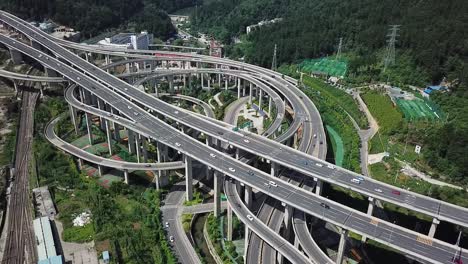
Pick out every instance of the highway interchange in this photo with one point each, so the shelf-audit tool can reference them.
(115, 93)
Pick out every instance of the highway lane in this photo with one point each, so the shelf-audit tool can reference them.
(262, 230)
(273, 194)
(276, 99)
(109, 163)
(27, 77)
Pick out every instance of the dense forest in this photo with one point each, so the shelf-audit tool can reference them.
(93, 17)
(433, 33)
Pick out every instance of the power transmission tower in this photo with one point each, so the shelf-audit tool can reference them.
(390, 52)
(274, 63)
(340, 46)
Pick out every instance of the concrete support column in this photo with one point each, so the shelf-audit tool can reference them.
(16, 56)
(248, 196)
(201, 76)
(126, 176)
(370, 210)
(274, 169)
(171, 84)
(218, 179)
(157, 178)
(238, 88)
(109, 136)
(100, 170)
(341, 246)
(260, 99)
(435, 223)
(145, 148)
(318, 186)
(250, 93)
(188, 179)
(101, 106)
(226, 84)
(131, 142)
(89, 128)
(243, 88)
(288, 213)
(116, 132)
(138, 148)
(269, 106)
(74, 118)
(229, 223)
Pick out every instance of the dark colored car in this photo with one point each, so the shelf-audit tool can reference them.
(396, 192)
(324, 205)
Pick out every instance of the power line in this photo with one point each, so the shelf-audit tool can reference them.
(389, 58)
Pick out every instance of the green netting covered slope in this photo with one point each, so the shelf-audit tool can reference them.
(327, 66)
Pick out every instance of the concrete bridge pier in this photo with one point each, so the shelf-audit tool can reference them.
(341, 246)
(101, 106)
(138, 147)
(74, 118)
(16, 56)
(243, 88)
(433, 229)
(238, 88)
(125, 176)
(171, 84)
(269, 106)
(188, 178)
(248, 196)
(370, 210)
(260, 99)
(144, 147)
(89, 128)
(131, 141)
(100, 170)
(318, 186)
(274, 169)
(229, 223)
(250, 93)
(218, 180)
(109, 136)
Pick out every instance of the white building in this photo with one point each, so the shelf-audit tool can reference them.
(129, 41)
(262, 23)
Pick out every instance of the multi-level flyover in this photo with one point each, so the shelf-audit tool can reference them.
(146, 116)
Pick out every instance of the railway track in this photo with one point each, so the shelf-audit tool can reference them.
(20, 244)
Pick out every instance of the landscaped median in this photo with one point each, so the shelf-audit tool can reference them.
(333, 105)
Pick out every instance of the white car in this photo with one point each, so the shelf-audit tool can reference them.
(212, 155)
(129, 107)
(232, 169)
(178, 144)
(135, 113)
(176, 112)
(171, 238)
(272, 183)
(378, 190)
(315, 135)
(109, 114)
(331, 166)
(126, 89)
(318, 165)
(250, 217)
(167, 224)
(356, 181)
(246, 141)
(116, 117)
